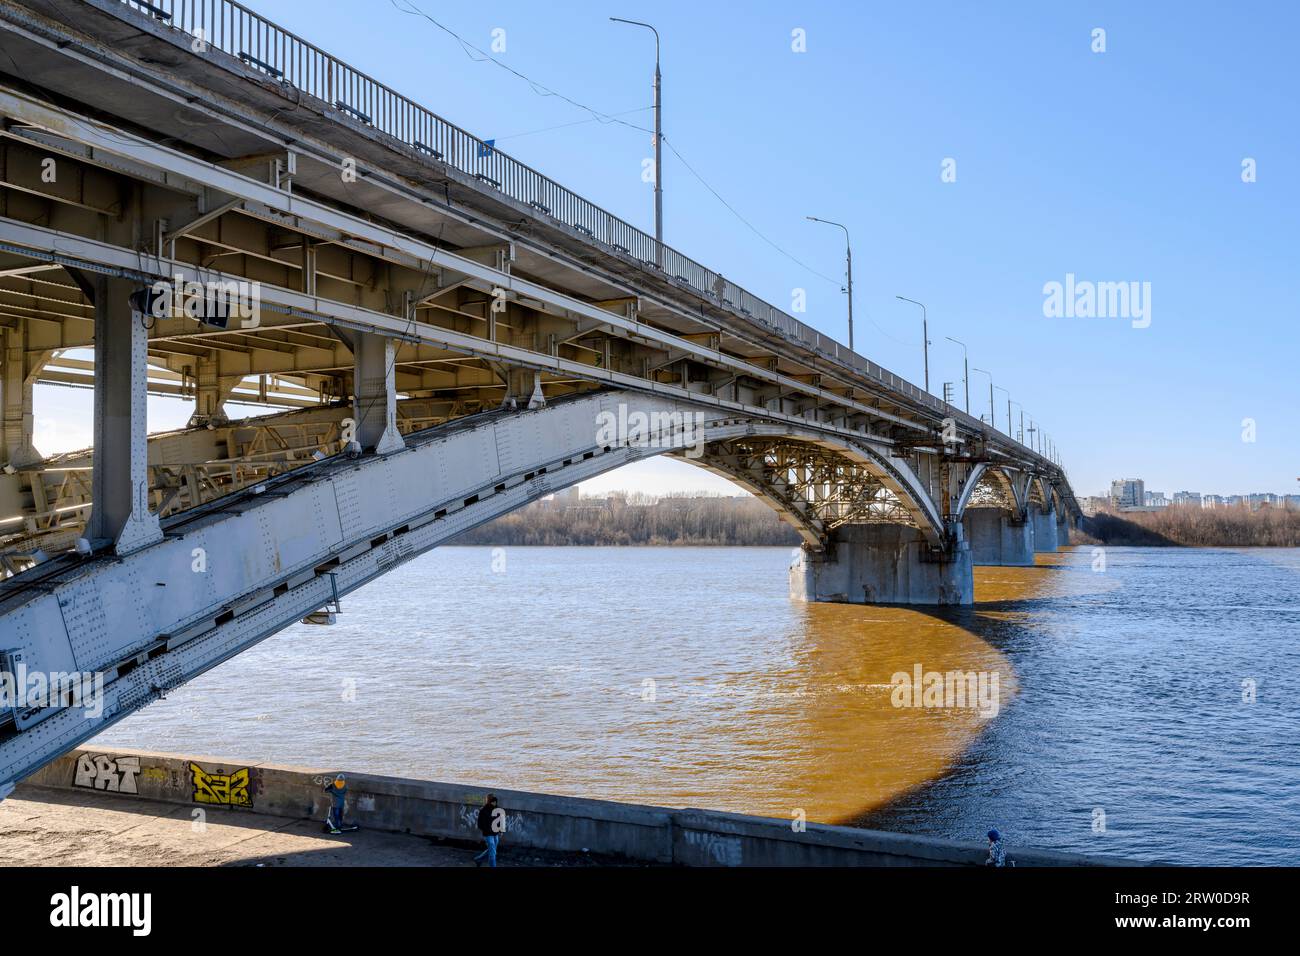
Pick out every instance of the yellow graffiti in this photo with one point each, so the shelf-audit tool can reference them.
(226, 790)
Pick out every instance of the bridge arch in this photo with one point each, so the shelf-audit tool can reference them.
(990, 485)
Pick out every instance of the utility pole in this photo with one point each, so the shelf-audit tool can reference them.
(848, 263)
(992, 416)
(965, 364)
(925, 340)
(659, 145)
(1001, 389)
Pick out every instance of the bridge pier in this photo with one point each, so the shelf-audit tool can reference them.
(1045, 524)
(883, 564)
(120, 470)
(997, 538)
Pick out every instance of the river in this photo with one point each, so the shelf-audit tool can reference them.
(1146, 708)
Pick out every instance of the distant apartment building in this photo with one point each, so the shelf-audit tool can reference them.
(1154, 499)
(1192, 498)
(1094, 504)
(1127, 493)
(1212, 501)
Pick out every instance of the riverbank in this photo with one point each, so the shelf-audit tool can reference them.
(540, 829)
(1194, 527)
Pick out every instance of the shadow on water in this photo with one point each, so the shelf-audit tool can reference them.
(1007, 616)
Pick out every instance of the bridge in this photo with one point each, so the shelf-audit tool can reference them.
(195, 202)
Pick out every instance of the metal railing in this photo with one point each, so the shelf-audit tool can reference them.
(234, 29)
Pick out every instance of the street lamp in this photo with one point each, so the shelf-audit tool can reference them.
(925, 337)
(848, 262)
(1020, 433)
(659, 141)
(1001, 389)
(965, 361)
(992, 417)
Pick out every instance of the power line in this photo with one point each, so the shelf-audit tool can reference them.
(547, 129)
(754, 229)
(606, 119)
(539, 88)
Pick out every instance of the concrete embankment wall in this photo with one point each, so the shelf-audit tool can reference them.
(566, 824)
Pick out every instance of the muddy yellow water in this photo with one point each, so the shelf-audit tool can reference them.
(678, 677)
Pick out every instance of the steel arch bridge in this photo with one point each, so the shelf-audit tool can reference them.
(447, 333)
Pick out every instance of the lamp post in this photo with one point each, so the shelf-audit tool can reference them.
(1020, 432)
(659, 147)
(925, 337)
(848, 264)
(992, 416)
(965, 375)
(1008, 394)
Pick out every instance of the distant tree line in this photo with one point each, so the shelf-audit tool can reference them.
(1191, 526)
(636, 519)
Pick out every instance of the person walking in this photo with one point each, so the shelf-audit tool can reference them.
(997, 853)
(488, 827)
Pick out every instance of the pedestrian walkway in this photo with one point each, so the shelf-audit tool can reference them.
(40, 826)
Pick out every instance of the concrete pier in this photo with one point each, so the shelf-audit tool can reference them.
(997, 539)
(1063, 531)
(883, 564)
(1044, 522)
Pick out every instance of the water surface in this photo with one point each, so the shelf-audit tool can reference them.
(687, 677)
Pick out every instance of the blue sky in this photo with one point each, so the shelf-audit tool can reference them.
(1117, 166)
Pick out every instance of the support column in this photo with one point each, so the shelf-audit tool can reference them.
(1044, 523)
(16, 419)
(120, 467)
(375, 393)
(209, 394)
(884, 564)
(998, 539)
(1063, 530)
(524, 389)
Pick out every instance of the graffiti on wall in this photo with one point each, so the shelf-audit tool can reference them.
(102, 772)
(222, 789)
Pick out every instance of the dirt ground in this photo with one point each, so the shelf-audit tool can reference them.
(46, 827)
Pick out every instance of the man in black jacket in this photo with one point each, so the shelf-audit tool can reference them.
(490, 823)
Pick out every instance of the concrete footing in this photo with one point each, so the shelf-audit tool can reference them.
(997, 539)
(1045, 525)
(883, 564)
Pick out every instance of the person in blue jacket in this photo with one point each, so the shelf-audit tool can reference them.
(338, 791)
